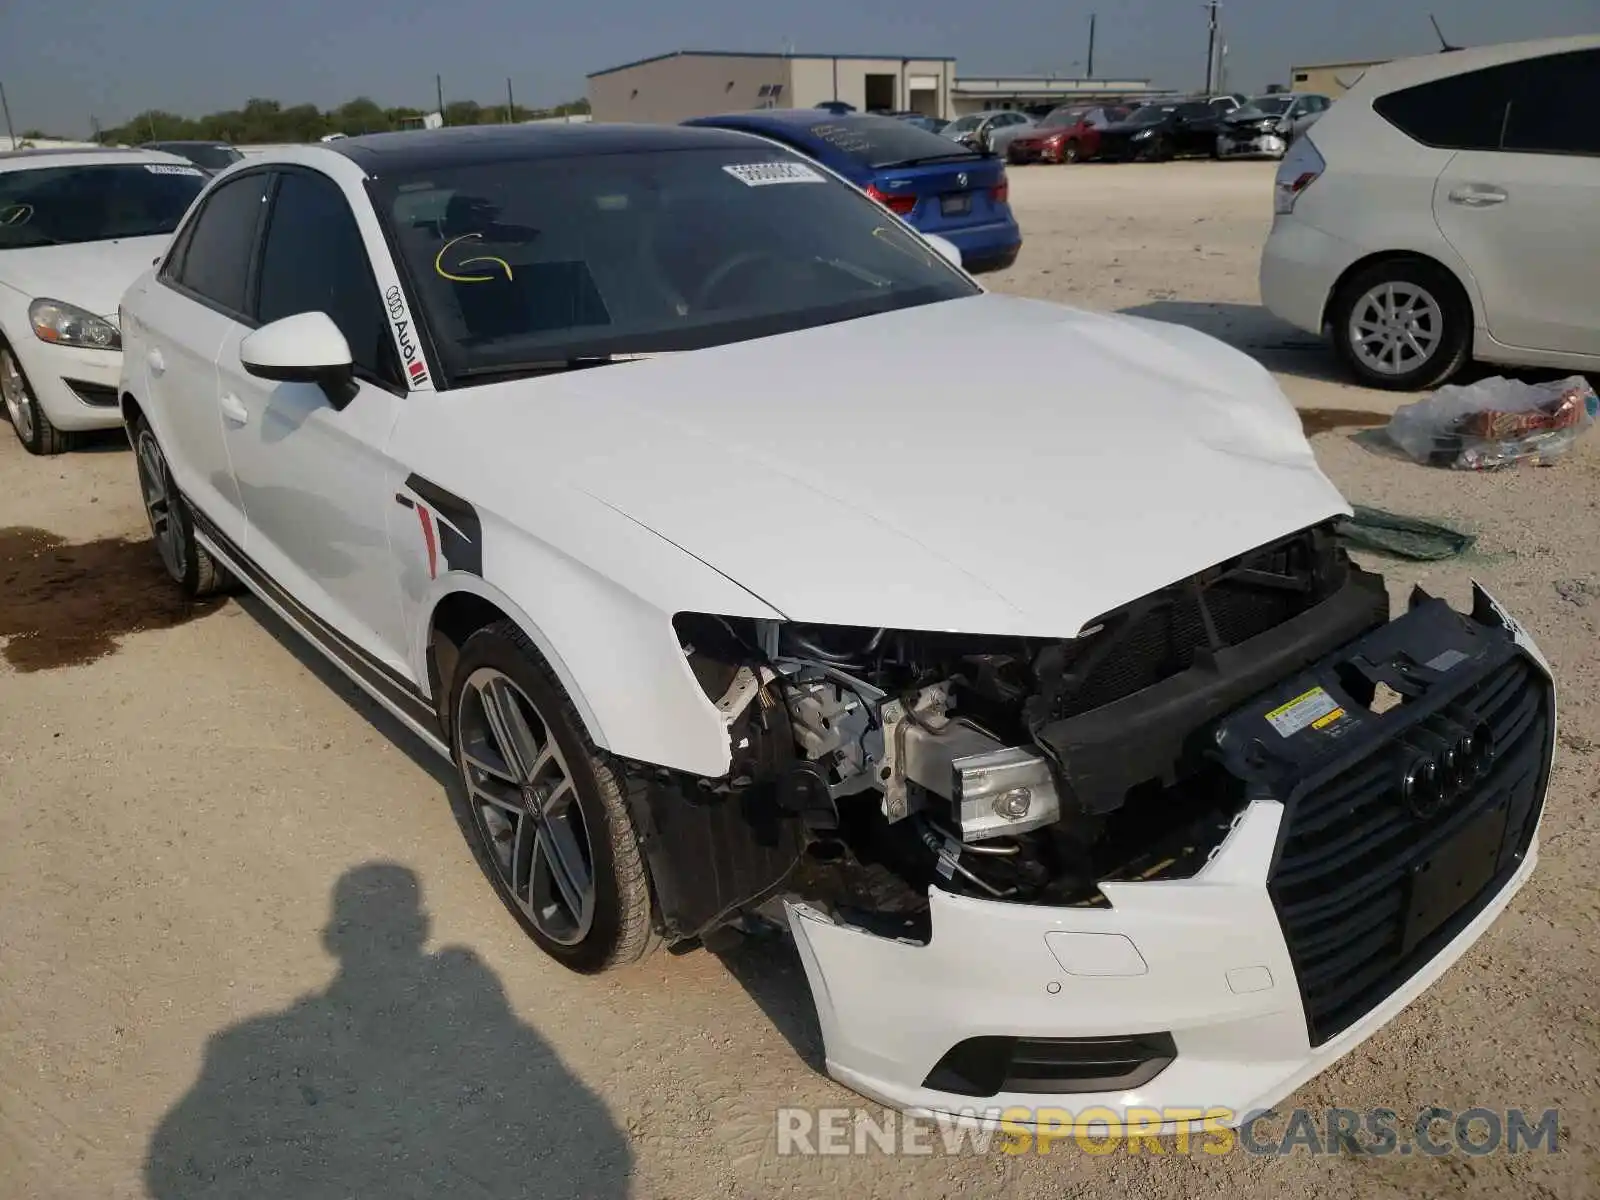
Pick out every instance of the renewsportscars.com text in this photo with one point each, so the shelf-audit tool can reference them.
(1433, 1131)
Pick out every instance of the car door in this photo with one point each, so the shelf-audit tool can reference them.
(314, 479)
(190, 306)
(1523, 206)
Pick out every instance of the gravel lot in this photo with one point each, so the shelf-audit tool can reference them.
(182, 808)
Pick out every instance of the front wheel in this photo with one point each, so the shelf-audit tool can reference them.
(1402, 325)
(548, 812)
(1070, 153)
(28, 419)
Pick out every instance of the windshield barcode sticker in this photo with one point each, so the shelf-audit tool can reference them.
(761, 174)
(1308, 708)
(171, 169)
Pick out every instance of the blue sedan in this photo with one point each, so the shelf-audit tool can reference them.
(937, 185)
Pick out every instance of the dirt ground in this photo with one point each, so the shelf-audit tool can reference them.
(219, 865)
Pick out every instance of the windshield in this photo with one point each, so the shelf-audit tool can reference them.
(884, 141)
(962, 124)
(1195, 111)
(1266, 106)
(58, 206)
(1150, 114)
(520, 265)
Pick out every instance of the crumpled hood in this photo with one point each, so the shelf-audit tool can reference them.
(92, 275)
(990, 465)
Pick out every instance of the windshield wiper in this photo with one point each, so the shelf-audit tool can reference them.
(548, 366)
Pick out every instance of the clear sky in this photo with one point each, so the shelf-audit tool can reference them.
(63, 62)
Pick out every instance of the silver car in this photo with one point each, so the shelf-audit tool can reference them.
(979, 130)
(1268, 125)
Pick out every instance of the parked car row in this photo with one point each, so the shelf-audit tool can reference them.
(1214, 126)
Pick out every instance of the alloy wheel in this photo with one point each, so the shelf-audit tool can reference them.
(525, 803)
(14, 390)
(160, 505)
(1396, 327)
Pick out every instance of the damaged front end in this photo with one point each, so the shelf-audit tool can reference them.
(1031, 769)
(1206, 845)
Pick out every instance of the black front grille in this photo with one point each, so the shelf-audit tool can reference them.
(1345, 880)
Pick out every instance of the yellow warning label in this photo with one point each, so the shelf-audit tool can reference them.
(1305, 709)
(1324, 722)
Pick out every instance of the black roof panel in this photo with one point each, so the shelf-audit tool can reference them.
(470, 145)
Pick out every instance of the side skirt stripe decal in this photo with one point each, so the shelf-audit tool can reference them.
(395, 689)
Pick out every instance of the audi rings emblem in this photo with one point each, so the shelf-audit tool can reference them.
(1444, 760)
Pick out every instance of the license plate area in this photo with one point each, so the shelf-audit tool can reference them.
(956, 204)
(1453, 874)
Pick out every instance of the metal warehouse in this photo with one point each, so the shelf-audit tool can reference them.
(693, 83)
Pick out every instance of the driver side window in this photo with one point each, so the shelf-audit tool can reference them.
(314, 260)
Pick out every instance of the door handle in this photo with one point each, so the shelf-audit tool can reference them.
(157, 363)
(233, 409)
(1478, 195)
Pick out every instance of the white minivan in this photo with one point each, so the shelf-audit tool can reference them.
(1448, 208)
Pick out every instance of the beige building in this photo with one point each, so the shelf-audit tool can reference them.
(1329, 79)
(695, 83)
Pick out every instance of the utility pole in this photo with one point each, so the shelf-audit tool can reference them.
(150, 122)
(1211, 41)
(1091, 45)
(511, 106)
(438, 93)
(10, 132)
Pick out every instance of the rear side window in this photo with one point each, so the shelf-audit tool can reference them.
(1463, 112)
(1550, 108)
(314, 260)
(1533, 106)
(216, 254)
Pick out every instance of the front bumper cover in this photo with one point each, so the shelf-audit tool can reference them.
(1204, 959)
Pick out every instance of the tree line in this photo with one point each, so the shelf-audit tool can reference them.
(269, 121)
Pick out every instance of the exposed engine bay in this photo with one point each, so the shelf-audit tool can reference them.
(1021, 769)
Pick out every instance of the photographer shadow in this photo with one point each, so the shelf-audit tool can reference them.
(409, 1076)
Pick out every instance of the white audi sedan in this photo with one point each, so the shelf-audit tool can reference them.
(76, 228)
(645, 472)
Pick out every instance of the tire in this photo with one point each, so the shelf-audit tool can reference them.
(188, 563)
(500, 671)
(1442, 308)
(1070, 152)
(27, 417)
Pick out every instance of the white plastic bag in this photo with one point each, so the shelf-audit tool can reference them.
(1495, 423)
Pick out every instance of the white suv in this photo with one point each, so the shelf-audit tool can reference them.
(1448, 208)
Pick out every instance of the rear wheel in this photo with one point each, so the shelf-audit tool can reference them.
(28, 421)
(171, 523)
(1402, 325)
(547, 810)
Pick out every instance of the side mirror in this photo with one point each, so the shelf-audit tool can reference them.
(305, 348)
(946, 248)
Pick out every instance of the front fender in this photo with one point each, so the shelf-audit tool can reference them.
(615, 653)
